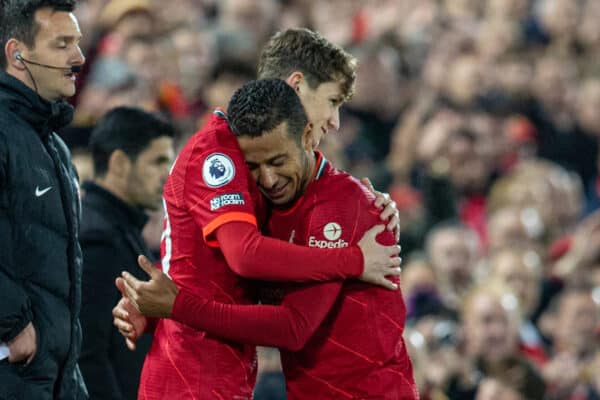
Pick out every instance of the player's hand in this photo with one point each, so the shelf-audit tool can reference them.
(23, 346)
(380, 261)
(153, 298)
(390, 211)
(128, 320)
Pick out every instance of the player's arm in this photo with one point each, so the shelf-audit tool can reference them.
(303, 308)
(288, 326)
(225, 214)
(252, 255)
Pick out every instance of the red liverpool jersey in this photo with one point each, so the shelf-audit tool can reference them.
(209, 186)
(358, 351)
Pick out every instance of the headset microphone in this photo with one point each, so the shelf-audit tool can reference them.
(72, 69)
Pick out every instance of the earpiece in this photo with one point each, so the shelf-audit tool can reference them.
(18, 55)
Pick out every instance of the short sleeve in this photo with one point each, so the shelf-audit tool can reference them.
(217, 189)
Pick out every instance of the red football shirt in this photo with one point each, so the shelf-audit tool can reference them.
(344, 339)
(358, 350)
(209, 185)
(210, 193)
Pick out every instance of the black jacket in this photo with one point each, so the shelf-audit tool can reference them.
(111, 240)
(40, 263)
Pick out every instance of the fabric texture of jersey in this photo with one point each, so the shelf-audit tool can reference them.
(209, 185)
(358, 351)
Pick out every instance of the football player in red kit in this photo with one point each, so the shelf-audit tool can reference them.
(340, 339)
(213, 208)
(212, 199)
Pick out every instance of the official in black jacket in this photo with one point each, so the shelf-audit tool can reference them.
(40, 260)
(132, 152)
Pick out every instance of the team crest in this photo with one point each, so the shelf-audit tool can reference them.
(218, 170)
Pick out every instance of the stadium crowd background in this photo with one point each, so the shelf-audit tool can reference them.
(480, 117)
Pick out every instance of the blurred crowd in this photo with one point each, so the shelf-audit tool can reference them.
(481, 118)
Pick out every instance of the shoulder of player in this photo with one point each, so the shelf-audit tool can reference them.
(338, 186)
(208, 142)
(215, 134)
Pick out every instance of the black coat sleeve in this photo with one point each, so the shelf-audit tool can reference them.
(15, 308)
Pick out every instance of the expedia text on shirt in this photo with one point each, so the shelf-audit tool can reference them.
(326, 244)
(230, 199)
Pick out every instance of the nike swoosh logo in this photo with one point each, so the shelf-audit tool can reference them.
(42, 192)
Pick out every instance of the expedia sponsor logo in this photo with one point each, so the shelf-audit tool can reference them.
(332, 231)
(326, 244)
(231, 199)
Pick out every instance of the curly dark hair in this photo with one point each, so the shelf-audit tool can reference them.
(262, 105)
(17, 20)
(310, 53)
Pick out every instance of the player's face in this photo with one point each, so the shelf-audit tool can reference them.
(278, 163)
(322, 106)
(56, 44)
(149, 173)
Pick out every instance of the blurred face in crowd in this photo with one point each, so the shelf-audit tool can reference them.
(379, 87)
(195, 58)
(136, 23)
(488, 143)
(521, 272)
(148, 173)
(180, 13)
(462, 8)
(493, 389)
(559, 17)
(496, 37)
(322, 105)
(254, 17)
(280, 165)
(566, 194)
(344, 10)
(513, 76)
(220, 90)
(56, 43)
(578, 319)
(464, 80)
(417, 275)
(507, 8)
(588, 104)
(468, 170)
(143, 59)
(488, 331)
(453, 253)
(588, 30)
(553, 81)
(506, 228)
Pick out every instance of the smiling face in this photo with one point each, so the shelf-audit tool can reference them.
(279, 164)
(322, 105)
(57, 44)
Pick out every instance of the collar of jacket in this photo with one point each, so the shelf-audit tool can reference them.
(44, 116)
(100, 197)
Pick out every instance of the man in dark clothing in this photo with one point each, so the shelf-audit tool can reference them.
(132, 152)
(40, 265)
